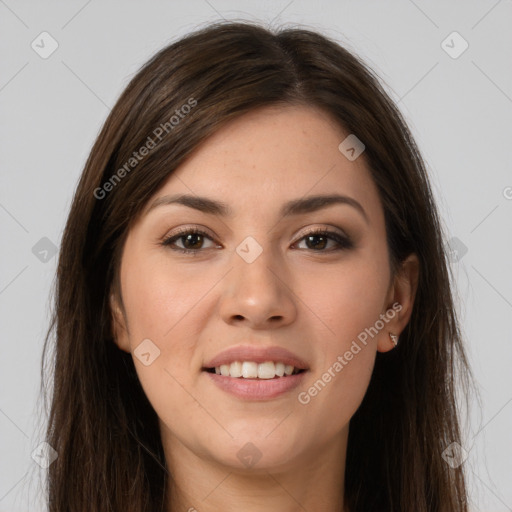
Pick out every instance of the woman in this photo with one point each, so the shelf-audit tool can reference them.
(253, 306)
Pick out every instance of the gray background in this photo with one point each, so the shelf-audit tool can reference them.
(459, 109)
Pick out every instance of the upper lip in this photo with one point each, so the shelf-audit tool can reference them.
(257, 355)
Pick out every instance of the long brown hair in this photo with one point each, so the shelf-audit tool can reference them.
(105, 431)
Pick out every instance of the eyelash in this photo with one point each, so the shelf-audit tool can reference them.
(344, 242)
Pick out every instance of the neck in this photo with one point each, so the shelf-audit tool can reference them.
(307, 481)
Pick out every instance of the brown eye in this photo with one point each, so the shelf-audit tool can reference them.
(318, 240)
(192, 241)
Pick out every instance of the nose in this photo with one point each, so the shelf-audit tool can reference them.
(258, 294)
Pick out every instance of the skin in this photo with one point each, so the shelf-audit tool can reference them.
(313, 302)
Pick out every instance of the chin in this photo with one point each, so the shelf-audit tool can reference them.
(255, 449)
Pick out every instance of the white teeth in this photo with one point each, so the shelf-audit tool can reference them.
(266, 370)
(249, 370)
(252, 370)
(235, 369)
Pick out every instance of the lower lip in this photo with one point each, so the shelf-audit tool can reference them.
(257, 389)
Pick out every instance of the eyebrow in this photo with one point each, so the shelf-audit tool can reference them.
(295, 207)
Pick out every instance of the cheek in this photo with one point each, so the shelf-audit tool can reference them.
(348, 299)
(161, 299)
(162, 306)
(334, 395)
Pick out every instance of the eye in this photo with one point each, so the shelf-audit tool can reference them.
(311, 239)
(192, 240)
(316, 240)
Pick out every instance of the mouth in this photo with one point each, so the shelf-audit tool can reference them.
(256, 373)
(251, 370)
(249, 380)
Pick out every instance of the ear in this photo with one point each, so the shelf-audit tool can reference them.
(400, 300)
(119, 325)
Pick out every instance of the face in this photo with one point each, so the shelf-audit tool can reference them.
(256, 277)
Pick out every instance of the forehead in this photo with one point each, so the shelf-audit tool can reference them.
(270, 156)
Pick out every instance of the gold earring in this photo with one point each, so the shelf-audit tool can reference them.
(394, 339)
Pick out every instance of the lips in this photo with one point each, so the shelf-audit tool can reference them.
(256, 355)
(260, 373)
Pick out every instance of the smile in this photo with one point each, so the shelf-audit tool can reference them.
(253, 370)
(256, 388)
